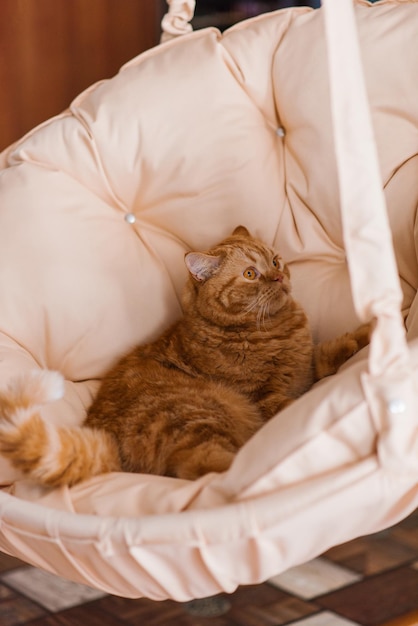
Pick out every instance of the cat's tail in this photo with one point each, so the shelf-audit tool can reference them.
(49, 454)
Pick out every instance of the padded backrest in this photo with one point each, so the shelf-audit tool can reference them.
(190, 139)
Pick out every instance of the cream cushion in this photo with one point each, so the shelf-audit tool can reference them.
(190, 139)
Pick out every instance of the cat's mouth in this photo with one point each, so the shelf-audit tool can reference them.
(281, 294)
(277, 296)
(284, 285)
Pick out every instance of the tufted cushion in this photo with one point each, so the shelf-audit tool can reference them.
(98, 205)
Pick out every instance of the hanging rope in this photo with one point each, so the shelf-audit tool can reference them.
(177, 21)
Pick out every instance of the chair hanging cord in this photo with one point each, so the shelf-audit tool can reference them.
(367, 235)
(176, 21)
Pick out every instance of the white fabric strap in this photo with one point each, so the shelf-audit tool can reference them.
(176, 21)
(367, 236)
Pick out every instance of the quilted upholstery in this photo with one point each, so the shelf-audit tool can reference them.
(188, 139)
(98, 205)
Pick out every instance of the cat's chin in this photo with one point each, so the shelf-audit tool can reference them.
(284, 290)
(282, 299)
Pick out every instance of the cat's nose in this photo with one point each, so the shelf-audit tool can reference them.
(278, 277)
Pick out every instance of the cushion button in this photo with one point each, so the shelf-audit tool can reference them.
(396, 406)
(130, 218)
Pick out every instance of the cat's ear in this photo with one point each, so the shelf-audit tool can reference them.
(200, 265)
(241, 230)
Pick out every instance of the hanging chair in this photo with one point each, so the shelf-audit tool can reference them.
(266, 125)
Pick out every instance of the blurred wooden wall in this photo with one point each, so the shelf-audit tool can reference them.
(50, 50)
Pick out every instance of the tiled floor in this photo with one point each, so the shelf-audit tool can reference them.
(371, 581)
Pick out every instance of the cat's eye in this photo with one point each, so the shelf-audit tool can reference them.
(250, 273)
(276, 262)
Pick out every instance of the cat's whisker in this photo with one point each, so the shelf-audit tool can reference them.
(261, 303)
(267, 312)
(252, 306)
(261, 315)
(269, 297)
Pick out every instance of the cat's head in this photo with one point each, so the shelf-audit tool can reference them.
(238, 281)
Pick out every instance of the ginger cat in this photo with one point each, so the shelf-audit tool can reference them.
(184, 404)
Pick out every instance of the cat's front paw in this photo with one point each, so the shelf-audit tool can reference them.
(331, 355)
(272, 405)
(353, 342)
(362, 335)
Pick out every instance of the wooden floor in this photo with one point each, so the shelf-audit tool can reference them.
(371, 581)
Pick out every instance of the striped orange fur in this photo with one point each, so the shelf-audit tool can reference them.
(183, 405)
